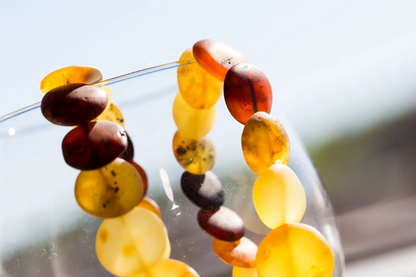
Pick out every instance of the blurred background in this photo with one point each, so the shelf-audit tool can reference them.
(342, 73)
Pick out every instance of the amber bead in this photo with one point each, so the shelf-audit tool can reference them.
(143, 175)
(244, 272)
(195, 156)
(216, 57)
(128, 155)
(94, 144)
(198, 88)
(294, 250)
(223, 224)
(247, 91)
(112, 113)
(204, 190)
(151, 205)
(264, 142)
(169, 268)
(241, 253)
(110, 191)
(70, 75)
(73, 104)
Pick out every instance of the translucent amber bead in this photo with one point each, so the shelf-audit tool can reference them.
(216, 57)
(246, 91)
(198, 88)
(244, 272)
(192, 123)
(241, 253)
(143, 175)
(264, 142)
(112, 113)
(151, 205)
(110, 191)
(170, 268)
(132, 243)
(279, 197)
(294, 250)
(128, 155)
(166, 254)
(70, 75)
(195, 156)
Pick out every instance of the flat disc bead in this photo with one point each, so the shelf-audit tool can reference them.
(151, 205)
(110, 191)
(223, 224)
(170, 268)
(94, 144)
(132, 243)
(73, 104)
(198, 88)
(279, 196)
(247, 91)
(244, 272)
(70, 75)
(264, 142)
(204, 190)
(216, 58)
(192, 123)
(241, 253)
(294, 250)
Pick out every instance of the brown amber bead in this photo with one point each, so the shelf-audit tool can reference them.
(216, 57)
(241, 253)
(143, 175)
(128, 155)
(205, 190)
(247, 91)
(73, 104)
(94, 144)
(223, 224)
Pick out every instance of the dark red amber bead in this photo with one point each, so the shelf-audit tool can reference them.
(143, 175)
(94, 144)
(204, 190)
(247, 91)
(128, 155)
(73, 104)
(223, 224)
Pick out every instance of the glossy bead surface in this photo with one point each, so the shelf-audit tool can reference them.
(241, 253)
(132, 243)
(279, 196)
(294, 250)
(192, 123)
(112, 113)
(70, 75)
(73, 104)
(110, 191)
(169, 268)
(128, 155)
(223, 224)
(216, 58)
(204, 190)
(94, 144)
(247, 91)
(195, 156)
(244, 272)
(264, 142)
(143, 175)
(198, 88)
(151, 205)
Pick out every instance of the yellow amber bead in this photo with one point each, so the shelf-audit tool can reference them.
(70, 75)
(169, 268)
(168, 249)
(244, 272)
(151, 205)
(192, 123)
(111, 113)
(279, 196)
(294, 250)
(198, 88)
(132, 243)
(240, 253)
(110, 191)
(264, 142)
(195, 156)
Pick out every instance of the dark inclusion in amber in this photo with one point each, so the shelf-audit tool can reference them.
(223, 224)
(94, 144)
(128, 155)
(204, 190)
(247, 91)
(73, 104)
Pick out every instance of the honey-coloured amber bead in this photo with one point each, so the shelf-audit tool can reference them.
(294, 250)
(131, 244)
(70, 75)
(198, 88)
(244, 272)
(111, 113)
(279, 196)
(247, 91)
(73, 104)
(241, 253)
(169, 268)
(216, 58)
(192, 123)
(195, 156)
(151, 205)
(110, 191)
(93, 144)
(264, 142)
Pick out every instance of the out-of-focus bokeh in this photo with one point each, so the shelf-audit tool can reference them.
(342, 72)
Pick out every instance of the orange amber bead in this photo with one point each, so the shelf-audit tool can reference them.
(216, 57)
(169, 268)
(151, 205)
(241, 253)
(244, 272)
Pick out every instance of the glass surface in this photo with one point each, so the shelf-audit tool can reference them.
(43, 232)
